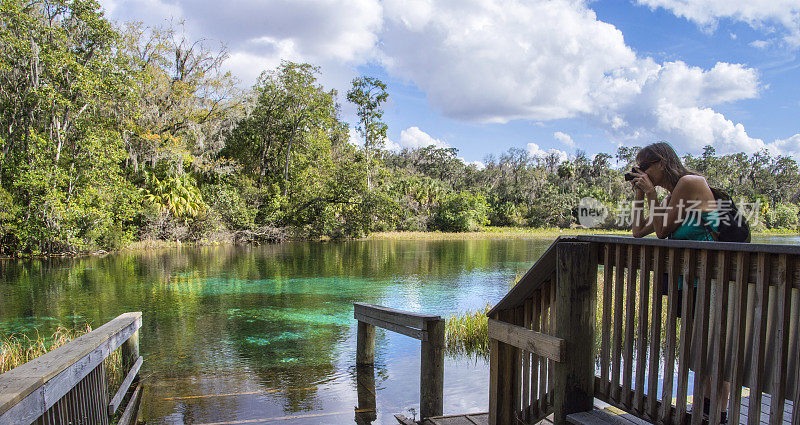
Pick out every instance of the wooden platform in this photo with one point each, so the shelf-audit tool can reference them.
(603, 414)
(609, 415)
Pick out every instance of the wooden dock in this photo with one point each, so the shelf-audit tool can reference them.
(739, 322)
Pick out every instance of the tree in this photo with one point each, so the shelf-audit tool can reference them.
(368, 94)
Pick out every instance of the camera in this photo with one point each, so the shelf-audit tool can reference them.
(629, 176)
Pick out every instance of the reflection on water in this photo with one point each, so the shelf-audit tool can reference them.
(245, 333)
(241, 333)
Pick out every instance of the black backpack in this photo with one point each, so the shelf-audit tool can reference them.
(733, 225)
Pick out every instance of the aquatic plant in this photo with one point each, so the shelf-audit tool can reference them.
(16, 350)
(467, 333)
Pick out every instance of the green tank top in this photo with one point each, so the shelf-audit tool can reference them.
(695, 229)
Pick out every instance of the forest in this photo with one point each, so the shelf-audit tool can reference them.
(112, 134)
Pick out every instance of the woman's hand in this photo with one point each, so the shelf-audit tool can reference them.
(641, 182)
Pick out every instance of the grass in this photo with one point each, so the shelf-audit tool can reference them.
(467, 334)
(494, 233)
(16, 350)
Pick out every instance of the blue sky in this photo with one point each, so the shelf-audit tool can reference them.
(484, 76)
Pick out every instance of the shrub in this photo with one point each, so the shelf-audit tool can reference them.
(461, 212)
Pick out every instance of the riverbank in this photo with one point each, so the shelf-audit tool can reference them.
(528, 233)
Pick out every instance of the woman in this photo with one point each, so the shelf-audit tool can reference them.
(688, 212)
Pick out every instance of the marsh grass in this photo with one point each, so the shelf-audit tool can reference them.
(494, 233)
(16, 350)
(467, 334)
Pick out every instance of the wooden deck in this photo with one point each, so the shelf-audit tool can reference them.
(603, 414)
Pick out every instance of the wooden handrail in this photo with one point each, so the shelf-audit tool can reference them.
(29, 390)
(537, 343)
(425, 327)
(734, 320)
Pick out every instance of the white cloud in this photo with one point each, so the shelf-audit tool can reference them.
(502, 60)
(790, 146)
(414, 138)
(493, 61)
(478, 164)
(535, 150)
(760, 14)
(564, 138)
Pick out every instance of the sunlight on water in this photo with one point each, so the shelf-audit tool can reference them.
(246, 333)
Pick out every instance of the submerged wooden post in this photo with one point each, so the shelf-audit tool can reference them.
(575, 303)
(365, 344)
(365, 412)
(432, 371)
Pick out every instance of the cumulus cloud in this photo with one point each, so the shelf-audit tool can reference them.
(414, 138)
(790, 146)
(761, 14)
(564, 138)
(535, 150)
(502, 60)
(673, 102)
(494, 61)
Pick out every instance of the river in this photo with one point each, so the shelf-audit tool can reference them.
(267, 333)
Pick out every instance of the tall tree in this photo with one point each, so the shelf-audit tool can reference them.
(368, 94)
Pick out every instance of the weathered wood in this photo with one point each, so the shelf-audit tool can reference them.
(365, 391)
(526, 365)
(687, 315)
(720, 314)
(783, 306)
(544, 363)
(738, 333)
(641, 346)
(605, 332)
(508, 377)
(28, 391)
(760, 303)
(619, 298)
(655, 332)
(701, 325)
(672, 322)
(132, 409)
(397, 317)
(405, 330)
(365, 344)
(536, 306)
(552, 326)
(494, 384)
(533, 279)
(752, 272)
(630, 308)
(575, 309)
(525, 339)
(123, 388)
(517, 401)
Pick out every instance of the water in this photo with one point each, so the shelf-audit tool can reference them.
(249, 333)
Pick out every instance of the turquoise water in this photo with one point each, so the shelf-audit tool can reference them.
(274, 321)
(265, 334)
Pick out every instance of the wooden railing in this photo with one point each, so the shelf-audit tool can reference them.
(68, 384)
(735, 322)
(427, 328)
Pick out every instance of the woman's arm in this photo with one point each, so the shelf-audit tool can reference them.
(667, 218)
(640, 226)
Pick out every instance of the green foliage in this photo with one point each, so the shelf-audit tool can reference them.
(783, 216)
(461, 212)
(111, 135)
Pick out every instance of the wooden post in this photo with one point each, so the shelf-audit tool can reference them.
(365, 380)
(576, 299)
(431, 394)
(365, 344)
(130, 351)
